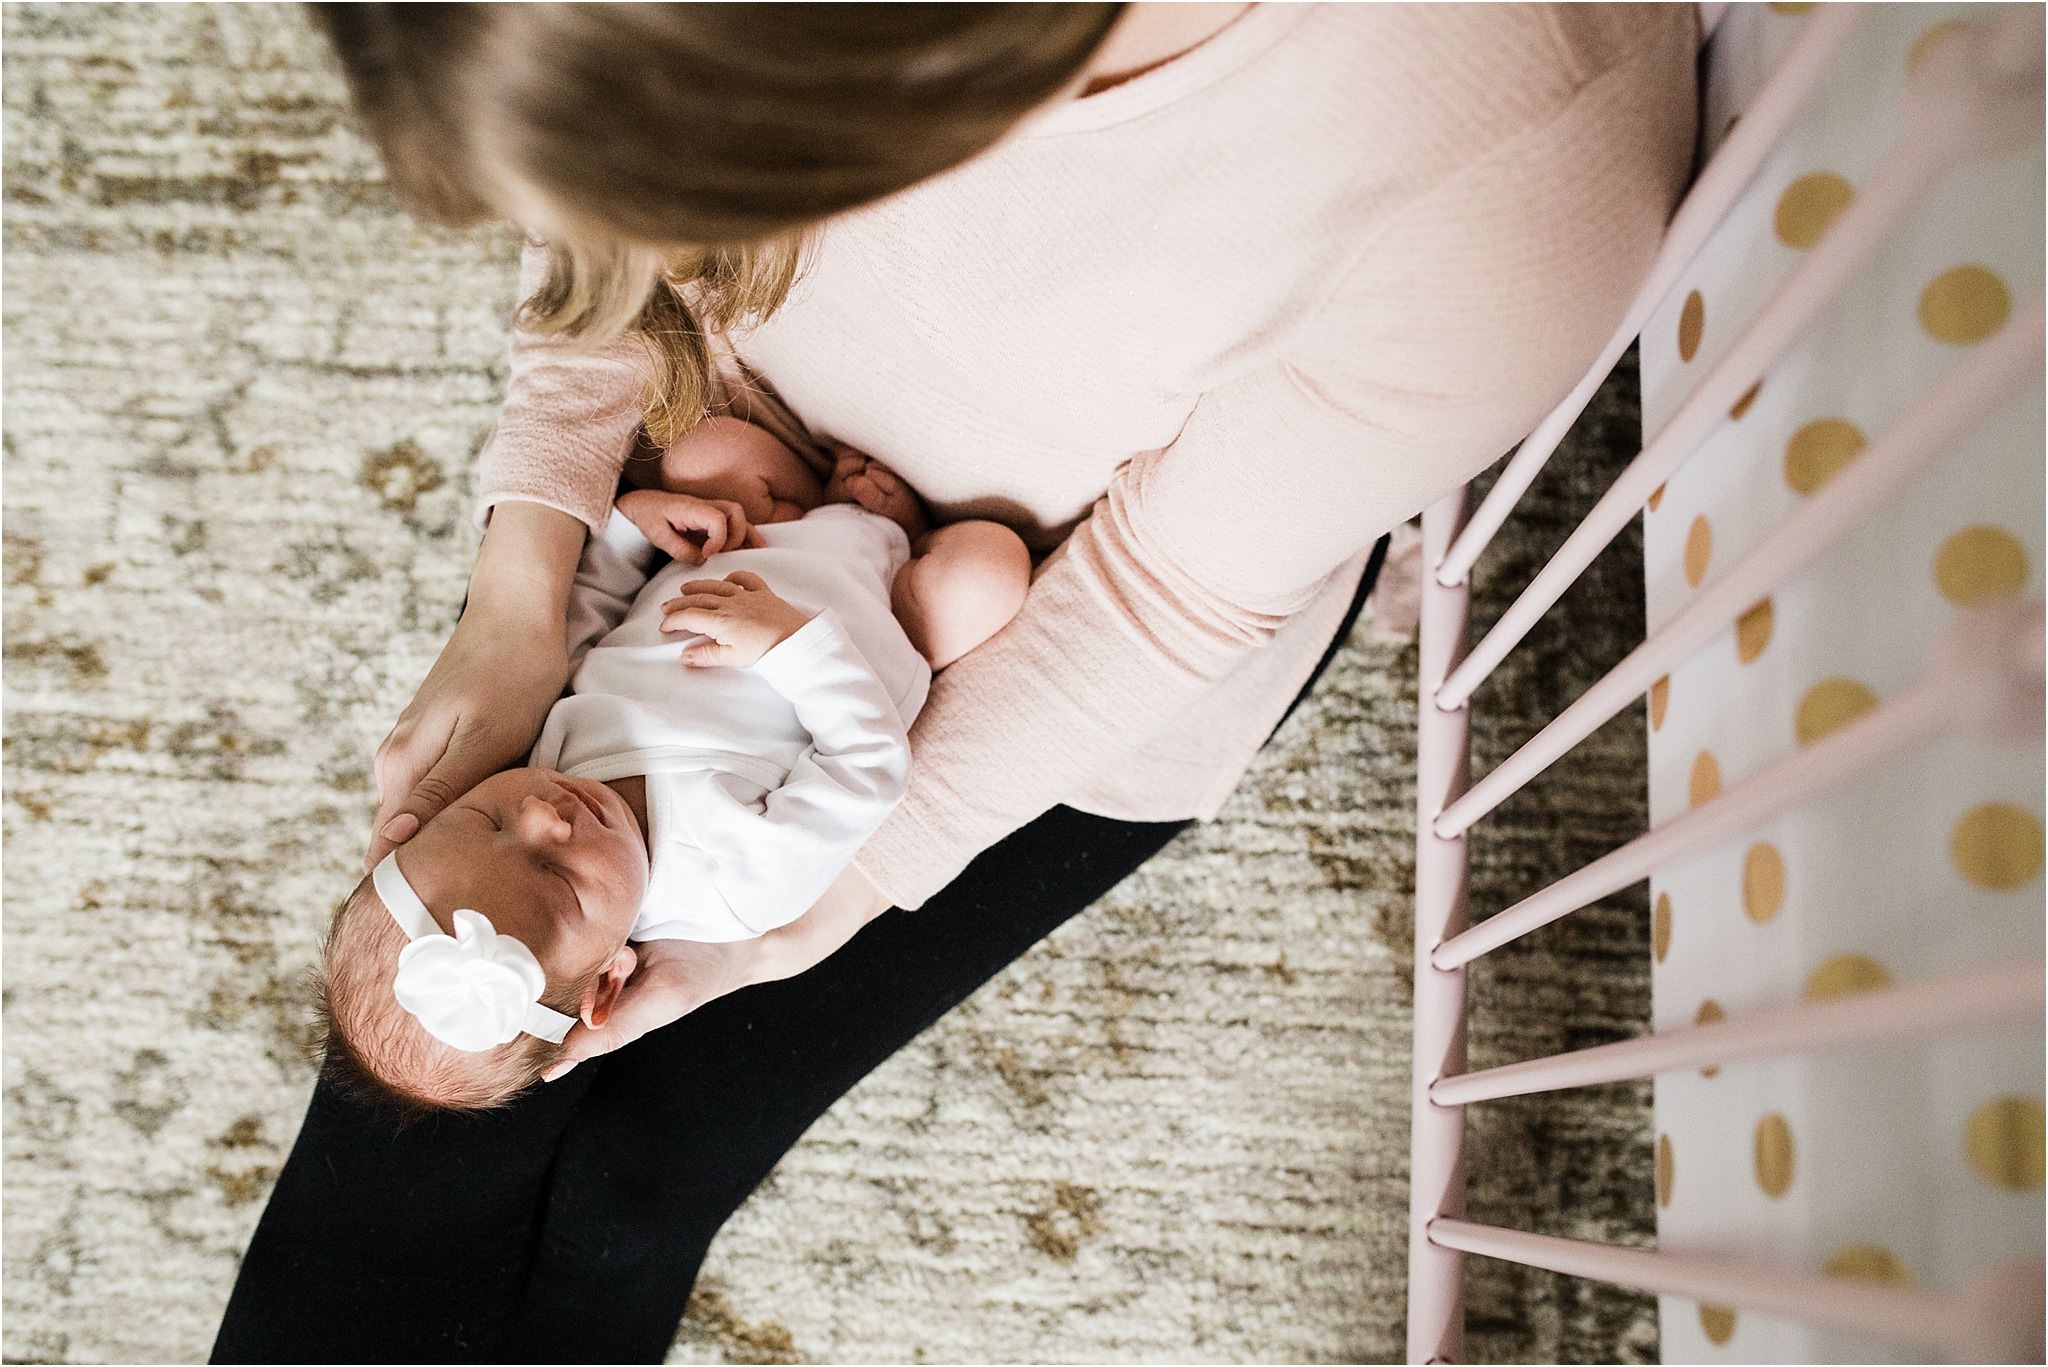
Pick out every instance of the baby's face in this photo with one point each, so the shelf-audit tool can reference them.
(558, 863)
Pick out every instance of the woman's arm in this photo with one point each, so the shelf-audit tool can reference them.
(483, 702)
(545, 478)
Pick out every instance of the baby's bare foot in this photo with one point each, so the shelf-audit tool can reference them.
(859, 478)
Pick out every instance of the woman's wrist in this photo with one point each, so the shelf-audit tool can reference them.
(526, 566)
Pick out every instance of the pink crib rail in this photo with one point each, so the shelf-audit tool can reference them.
(1978, 95)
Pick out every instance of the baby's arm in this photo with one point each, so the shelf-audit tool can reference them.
(771, 862)
(725, 458)
(617, 561)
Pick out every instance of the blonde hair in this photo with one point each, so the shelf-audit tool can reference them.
(372, 1051)
(673, 156)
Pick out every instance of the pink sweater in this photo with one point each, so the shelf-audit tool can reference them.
(1204, 336)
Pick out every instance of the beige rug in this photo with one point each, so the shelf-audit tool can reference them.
(242, 398)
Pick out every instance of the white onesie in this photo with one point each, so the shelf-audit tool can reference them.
(762, 783)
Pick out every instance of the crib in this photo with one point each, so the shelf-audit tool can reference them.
(1843, 675)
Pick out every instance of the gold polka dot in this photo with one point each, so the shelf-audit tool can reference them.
(1868, 1263)
(1932, 39)
(1717, 1322)
(1763, 882)
(1829, 706)
(1979, 563)
(1705, 784)
(1844, 976)
(1818, 451)
(1964, 304)
(1664, 1173)
(1742, 404)
(1809, 207)
(1660, 701)
(1791, 6)
(1997, 846)
(1773, 1154)
(1692, 321)
(1656, 497)
(1699, 549)
(1710, 1011)
(1753, 631)
(2004, 1142)
(1660, 927)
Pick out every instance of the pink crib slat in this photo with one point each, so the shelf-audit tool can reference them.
(1436, 1184)
(1984, 999)
(1975, 681)
(1930, 430)
(1734, 163)
(1959, 107)
(1996, 1320)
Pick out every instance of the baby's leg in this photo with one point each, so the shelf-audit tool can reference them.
(963, 584)
(725, 458)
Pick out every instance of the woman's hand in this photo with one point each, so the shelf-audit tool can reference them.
(675, 977)
(483, 702)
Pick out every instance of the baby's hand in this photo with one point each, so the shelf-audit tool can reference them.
(688, 528)
(741, 615)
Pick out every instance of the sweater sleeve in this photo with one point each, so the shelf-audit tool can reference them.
(570, 418)
(1452, 330)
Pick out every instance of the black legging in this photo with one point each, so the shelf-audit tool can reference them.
(569, 1226)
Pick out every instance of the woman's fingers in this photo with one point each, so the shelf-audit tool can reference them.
(717, 586)
(671, 979)
(459, 766)
(746, 579)
(406, 756)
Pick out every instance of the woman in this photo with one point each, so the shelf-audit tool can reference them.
(1201, 299)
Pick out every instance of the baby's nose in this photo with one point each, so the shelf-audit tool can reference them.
(548, 816)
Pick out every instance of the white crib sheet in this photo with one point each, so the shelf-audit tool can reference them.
(1921, 1164)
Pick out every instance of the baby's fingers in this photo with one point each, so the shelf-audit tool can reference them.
(671, 542)
(707, 654)
(703, 621)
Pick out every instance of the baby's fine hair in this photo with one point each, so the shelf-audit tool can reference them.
(373, 1051)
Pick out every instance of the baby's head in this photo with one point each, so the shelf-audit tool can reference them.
(558, 865)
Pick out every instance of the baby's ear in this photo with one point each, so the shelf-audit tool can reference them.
(603, 994)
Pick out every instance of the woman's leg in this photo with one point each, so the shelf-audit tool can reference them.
(680, 1126)
(387, 1246)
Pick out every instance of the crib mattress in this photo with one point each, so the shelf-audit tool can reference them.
(1921, 1164)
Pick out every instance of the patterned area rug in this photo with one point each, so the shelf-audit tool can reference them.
(243, 394)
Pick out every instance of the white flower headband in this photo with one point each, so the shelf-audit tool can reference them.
(473, 990)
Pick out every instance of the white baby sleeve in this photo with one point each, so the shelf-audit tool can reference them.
(771, 862)
(616, 564)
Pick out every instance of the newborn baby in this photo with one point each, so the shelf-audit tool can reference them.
(735, 726)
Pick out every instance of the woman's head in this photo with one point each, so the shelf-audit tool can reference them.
(556, 864)
(692, 143)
